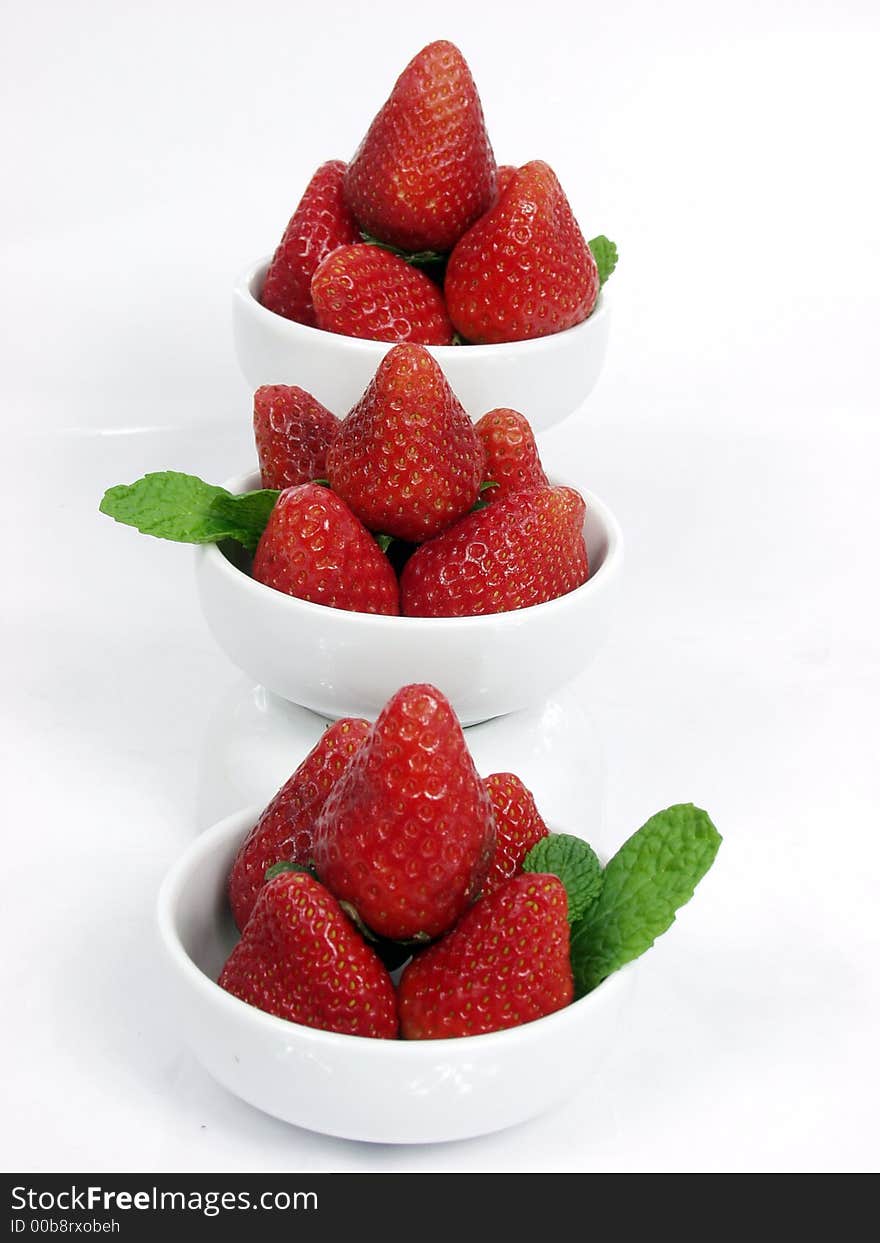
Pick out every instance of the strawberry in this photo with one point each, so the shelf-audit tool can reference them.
(364, 291)
(512, 460)
(292, 430)
(284, 830)
(407, 458)
(506, 174)
(320, 223)
(301, 959)
(524, 549)
(506, 962)
(407, 833)
(518, 827)
(425, 170)
(523, 270)
(314, 548)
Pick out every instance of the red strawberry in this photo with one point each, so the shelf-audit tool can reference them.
(284, 830)
(506, 174)
(407, 458)
(292, 430)
(314, 548)
(301, 958)
(425, 171)
(525, 549)
(524, 269)
(364, 291)
(320, 224)
(518, 827)
(407, 833)
(512, 459)
(505, 963)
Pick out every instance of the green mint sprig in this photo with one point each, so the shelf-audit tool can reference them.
(650, 877)
(173, 506)
(576, 865)
(605, 254)
(618, 913)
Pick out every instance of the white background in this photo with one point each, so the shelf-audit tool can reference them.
(149, 152)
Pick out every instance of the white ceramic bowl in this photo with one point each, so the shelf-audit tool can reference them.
(378, 1090)
(546, 379)
(349, 664)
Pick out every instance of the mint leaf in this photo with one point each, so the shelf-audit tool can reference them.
(649, 878)
(165, 504)
(173, 506)
(245, 515)
(576, 865)
(605, 254)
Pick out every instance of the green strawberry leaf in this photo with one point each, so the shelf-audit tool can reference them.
(576, 865)
(605, 254)
(287, 865)
(479, 503)
(384, 541)
(649, 878)
(418, 258)
(173, 506)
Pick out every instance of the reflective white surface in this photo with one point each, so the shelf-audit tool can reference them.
(734, 432)
(253, 740)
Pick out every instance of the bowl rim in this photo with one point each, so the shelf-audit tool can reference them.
(236, 825)
(245, 292)
(213, 557)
